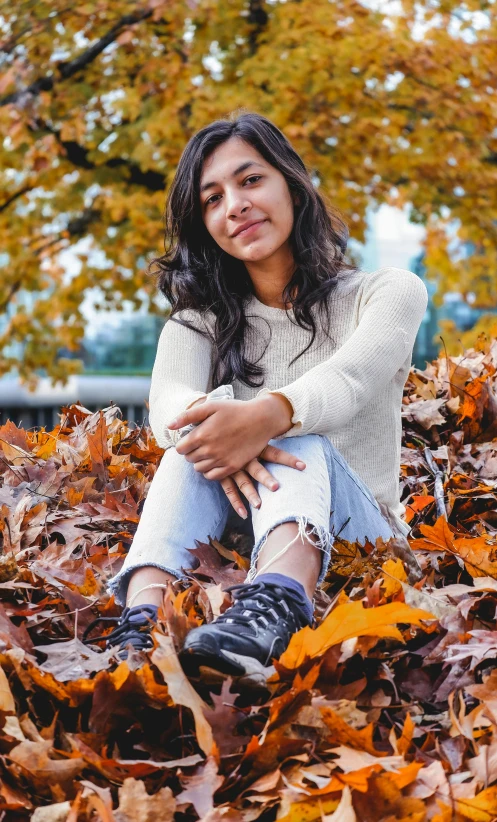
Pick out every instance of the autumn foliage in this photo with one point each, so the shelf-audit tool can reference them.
(386, 711)
(98, 100)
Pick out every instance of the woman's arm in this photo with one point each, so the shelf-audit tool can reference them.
(180, 374)
(328, 395)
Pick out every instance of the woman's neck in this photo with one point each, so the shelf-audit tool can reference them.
(269, 280)
(270, 296)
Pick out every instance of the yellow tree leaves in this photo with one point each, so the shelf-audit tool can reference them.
(98, 101)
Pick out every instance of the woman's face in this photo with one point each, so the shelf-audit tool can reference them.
(237, 186)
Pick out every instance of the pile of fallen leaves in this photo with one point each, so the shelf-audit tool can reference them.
(386, 711)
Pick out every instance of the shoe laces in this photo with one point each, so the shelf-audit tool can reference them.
(133, 626)
(264, 603)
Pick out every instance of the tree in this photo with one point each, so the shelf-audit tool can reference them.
(98, 100)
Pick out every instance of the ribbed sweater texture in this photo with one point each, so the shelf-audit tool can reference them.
(347, 386)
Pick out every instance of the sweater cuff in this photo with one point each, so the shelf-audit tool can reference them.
(297, 425)
(174, 434)
(222, 392)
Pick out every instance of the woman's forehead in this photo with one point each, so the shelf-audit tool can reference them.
(227, 158)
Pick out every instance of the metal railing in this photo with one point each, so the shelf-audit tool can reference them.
(43, 406)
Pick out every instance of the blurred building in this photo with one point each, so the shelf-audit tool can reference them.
(429, 338)
(118, 360)
(126, 348)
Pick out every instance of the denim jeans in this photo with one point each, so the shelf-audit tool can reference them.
(327, 499)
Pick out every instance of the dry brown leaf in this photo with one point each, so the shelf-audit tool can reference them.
(201, 787)
(136, 805)
(180, 689)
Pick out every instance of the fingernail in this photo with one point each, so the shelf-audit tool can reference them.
(257, 503)
(242, 512)
(172, 424)
(274, 486)
(300, 464)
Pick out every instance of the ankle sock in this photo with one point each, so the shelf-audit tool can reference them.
(294, 585)
(138, 610)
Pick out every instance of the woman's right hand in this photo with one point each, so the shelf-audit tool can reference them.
(241, 480)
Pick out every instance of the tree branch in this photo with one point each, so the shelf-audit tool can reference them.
(78, 156)
(67, 70)
(14, 197)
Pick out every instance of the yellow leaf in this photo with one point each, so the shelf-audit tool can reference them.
(483, 808)
(346, 622)
(394, 571)
(310, 809)
(7, 703)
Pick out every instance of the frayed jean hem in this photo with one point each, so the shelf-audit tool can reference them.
(118, 585)
(324, 543)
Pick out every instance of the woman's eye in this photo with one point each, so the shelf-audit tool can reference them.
(252, 177)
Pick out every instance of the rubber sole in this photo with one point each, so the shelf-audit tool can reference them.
(245, 669)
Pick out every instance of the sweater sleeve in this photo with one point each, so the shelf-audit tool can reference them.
(327, 396)
(180, 375)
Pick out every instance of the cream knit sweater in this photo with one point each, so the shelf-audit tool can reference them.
(348, 388)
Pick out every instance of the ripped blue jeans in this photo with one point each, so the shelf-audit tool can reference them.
(327, 500)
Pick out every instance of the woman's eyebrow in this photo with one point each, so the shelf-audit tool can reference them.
(236, 171)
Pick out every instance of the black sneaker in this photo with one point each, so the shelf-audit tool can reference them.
(242, 641)
(133, 626)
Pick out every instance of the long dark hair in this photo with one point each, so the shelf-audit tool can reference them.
(195, 273)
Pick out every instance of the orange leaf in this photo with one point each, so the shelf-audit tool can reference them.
(347, 622)
(479, 553)
(344, 734)
(405, 740)
(418, 503)
(438, 537)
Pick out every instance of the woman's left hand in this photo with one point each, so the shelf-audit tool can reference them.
(229, 433)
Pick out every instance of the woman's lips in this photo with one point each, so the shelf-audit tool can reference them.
(251, 229)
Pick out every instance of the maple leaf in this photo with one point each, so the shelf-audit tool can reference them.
(72, 660)
(349, 621)
(211, 565)
(478, 553)
(201, 787)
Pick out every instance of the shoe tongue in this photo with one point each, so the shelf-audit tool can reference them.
(139, 613)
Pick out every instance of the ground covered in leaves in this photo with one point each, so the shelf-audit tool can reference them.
(386, 711)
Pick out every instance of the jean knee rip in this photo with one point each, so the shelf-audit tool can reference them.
(305, 529)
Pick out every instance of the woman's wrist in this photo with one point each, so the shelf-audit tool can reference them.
(279, 412)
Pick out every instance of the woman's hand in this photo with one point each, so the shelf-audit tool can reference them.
(241, 480)
(230, 433)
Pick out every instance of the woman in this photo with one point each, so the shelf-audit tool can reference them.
(276, 352)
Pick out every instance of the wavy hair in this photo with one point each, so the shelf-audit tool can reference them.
(195, 273)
